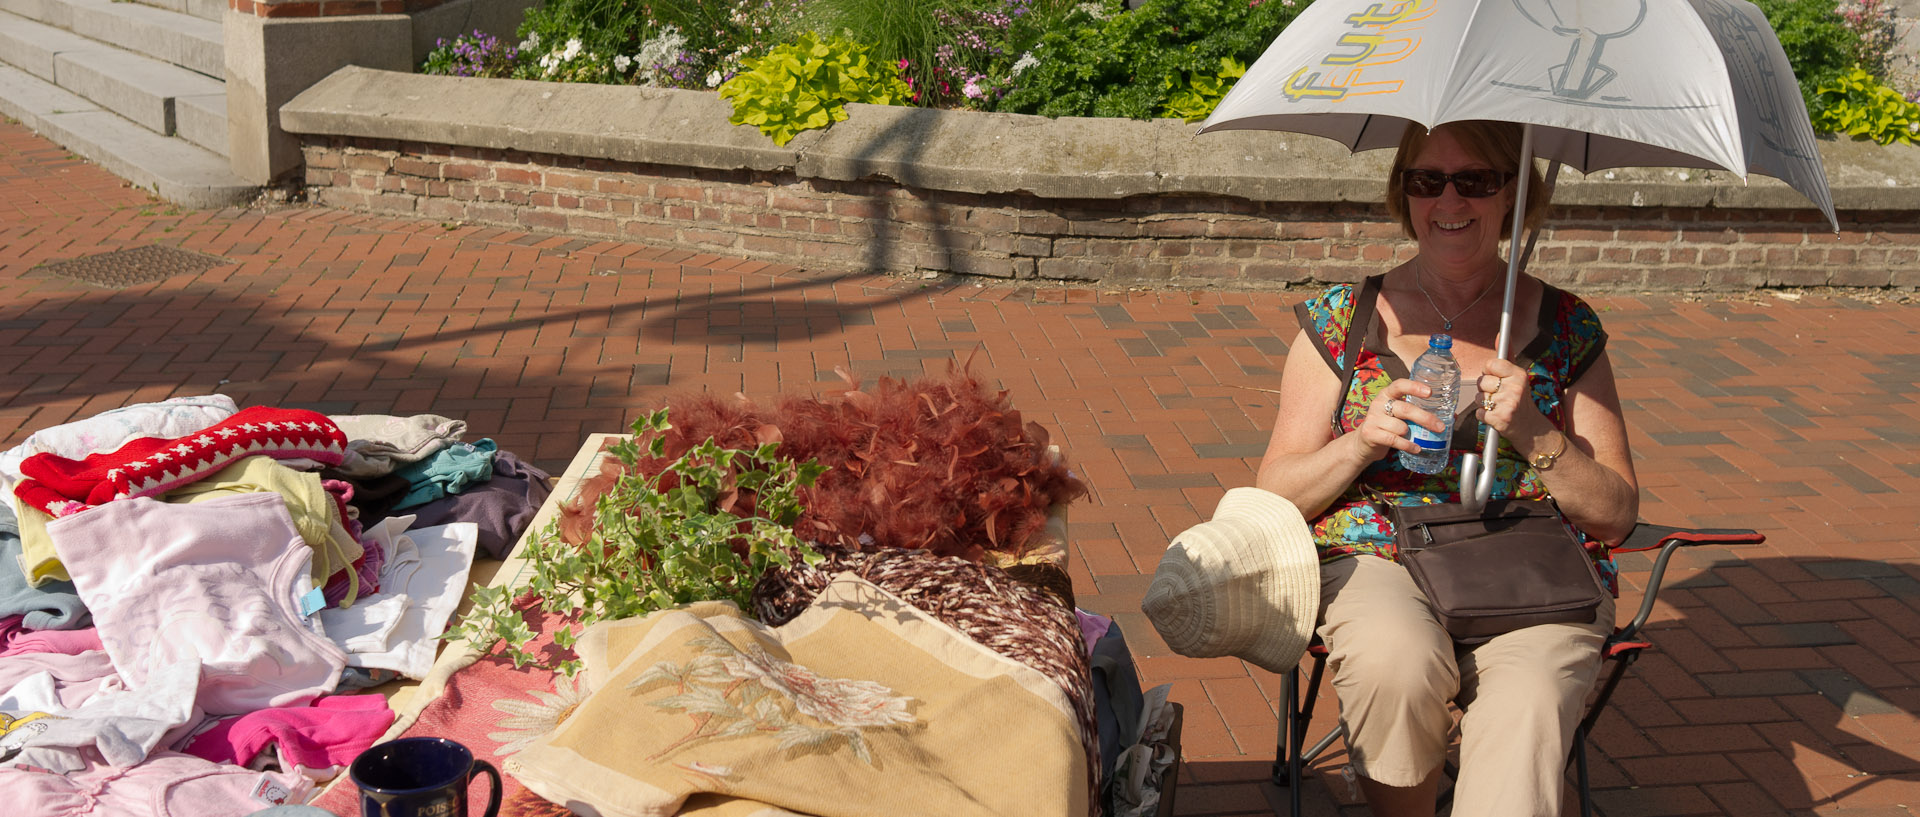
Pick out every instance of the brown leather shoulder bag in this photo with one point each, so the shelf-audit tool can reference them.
(1515, 564)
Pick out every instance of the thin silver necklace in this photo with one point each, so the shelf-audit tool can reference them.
(1418, 276)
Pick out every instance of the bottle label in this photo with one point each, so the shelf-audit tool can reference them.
(1427, 440)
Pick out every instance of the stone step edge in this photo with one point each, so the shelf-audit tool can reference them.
(172, 169)
(159, 95)
(153, 31)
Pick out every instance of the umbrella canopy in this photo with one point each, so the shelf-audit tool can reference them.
(1606, 83)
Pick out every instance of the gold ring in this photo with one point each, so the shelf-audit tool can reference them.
(1487, 402)
(1496, 386)
(1389, 408)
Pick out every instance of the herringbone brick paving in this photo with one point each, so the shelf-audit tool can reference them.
(1784, 678)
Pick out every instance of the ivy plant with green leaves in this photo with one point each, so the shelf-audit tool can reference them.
(655, 547)
(1861, 106)
(805, 84)
(1109, 61)
(1202, 93)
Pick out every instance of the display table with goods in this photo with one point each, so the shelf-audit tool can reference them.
(834, 607)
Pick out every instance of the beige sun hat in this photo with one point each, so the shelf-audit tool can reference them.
(1245, 584)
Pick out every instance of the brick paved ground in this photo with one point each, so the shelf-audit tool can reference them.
(1784, 678)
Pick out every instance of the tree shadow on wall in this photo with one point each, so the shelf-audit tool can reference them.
(1784, 673)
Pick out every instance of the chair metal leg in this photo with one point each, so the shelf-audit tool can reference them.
(1283, 745)
(1580, 771)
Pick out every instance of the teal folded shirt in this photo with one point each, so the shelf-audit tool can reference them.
(449, 471)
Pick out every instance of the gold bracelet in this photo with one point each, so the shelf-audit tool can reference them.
(1543, 462)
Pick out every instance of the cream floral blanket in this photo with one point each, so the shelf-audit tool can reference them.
(861, 706)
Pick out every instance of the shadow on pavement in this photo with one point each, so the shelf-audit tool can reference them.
(1782, 672)
(498, 368)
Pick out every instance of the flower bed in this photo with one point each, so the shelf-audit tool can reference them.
(790, 65)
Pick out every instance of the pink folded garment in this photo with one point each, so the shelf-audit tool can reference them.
(150, 466)
(330, 733)
(53, 642)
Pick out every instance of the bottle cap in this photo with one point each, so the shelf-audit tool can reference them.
(1440, 341)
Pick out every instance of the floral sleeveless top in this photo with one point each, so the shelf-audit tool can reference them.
(1569, 341)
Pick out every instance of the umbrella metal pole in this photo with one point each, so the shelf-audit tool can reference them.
(1476, 470)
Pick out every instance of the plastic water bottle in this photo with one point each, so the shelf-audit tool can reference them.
(1436, 368)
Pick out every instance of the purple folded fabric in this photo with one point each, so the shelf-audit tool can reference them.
(502, 507)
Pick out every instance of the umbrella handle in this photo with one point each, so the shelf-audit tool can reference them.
(1476, 471)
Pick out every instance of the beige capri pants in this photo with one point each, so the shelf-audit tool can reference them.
(1394, 669)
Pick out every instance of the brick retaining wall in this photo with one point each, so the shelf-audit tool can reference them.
(1185, 239)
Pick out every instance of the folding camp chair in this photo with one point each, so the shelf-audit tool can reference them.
(1620, 651)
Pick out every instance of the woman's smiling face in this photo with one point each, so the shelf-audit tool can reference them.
(1455, 231)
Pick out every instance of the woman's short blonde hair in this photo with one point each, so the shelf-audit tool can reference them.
(1496, 143)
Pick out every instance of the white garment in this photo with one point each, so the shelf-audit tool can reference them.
(122, 724)
(426, 572)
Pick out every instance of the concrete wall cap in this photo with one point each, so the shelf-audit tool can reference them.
(988, 153)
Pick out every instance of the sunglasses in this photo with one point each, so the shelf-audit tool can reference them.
(1472, 184)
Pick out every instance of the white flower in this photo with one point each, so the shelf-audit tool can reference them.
(622, 62)
(572, 50)
(661, 50)
(1027, 60)
(530, 721)
(713, 78)
(531, 42)
(1094, 10)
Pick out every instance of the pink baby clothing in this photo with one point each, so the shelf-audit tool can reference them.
(9, 628)
(328, 734)
(57, 642)
(168, 784)
(217, 582)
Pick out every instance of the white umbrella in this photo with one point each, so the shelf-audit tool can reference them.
(1598, 83)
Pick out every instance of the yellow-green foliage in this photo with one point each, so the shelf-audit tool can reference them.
(1204, 91)
(1863, 107)
(806, 84)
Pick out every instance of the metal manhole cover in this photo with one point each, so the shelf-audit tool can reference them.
(132, 267)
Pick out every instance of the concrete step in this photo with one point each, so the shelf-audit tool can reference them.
(173, 169)
(32, 47)
(203, 9)
(160, 96)
(139, 88)
(184, 40)
(202, 120)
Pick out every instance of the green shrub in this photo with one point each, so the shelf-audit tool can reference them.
(1203, 92)
(1818, 44)
(805, 84)
(1863, 107)
(1106, 61)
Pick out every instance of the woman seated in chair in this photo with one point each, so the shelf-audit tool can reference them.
(1394, 667)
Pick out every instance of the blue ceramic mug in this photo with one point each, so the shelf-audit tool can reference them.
(420, 777)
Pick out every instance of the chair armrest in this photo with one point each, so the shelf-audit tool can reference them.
(1669, 539)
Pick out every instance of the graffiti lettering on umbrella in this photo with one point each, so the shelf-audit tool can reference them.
(1382, 35)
